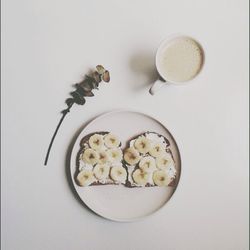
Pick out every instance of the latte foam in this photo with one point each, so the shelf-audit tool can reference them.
(181, 60)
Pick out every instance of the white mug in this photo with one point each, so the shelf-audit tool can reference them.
(163, 79)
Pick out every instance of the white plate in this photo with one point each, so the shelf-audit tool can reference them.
(120, 203)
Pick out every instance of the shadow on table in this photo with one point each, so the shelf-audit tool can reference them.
(143, 64)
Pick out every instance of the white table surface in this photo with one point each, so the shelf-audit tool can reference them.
(47, 45)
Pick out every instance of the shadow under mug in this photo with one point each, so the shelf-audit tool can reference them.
(162, 81)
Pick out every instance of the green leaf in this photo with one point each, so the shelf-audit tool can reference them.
(80, 90)
(78, 98)
(69, 101)
(83, 89)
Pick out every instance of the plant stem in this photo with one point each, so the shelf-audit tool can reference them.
(65, 112)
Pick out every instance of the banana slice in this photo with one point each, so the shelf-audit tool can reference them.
(103, 157)
(85, 178)
(131, 156)
(147, 164)
(111, 141)
(115, 155)
(161, 178)
(119, 174)
(96, 141)
(157, 150)
(140, 177)
(90, 156)
(164, 162)
(142, 144)
(101, 171)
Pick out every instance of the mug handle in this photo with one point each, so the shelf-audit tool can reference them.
(156, 86)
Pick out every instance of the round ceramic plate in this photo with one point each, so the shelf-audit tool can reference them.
(117, 202)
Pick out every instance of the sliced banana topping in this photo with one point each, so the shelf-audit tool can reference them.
(157, 150)
(147, 164)
(142, 144)
(111, 141)
(90, 156)
(85, 178)
(101, 171)
(119, 174)
(161, 178)
(164, 162)
(131, 156)
(96, 141)
(140, 177)
(146, 159)
(103, 157)
(115, 155)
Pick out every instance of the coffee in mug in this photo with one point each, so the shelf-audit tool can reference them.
(178, 60)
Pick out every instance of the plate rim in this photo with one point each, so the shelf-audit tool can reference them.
(100, 116)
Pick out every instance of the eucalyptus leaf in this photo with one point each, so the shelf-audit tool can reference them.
(69, 101)
(78, 98)
(106, 76)
(80, 90)
(97, 77)
(83, 89)
(95, 85)
(87, 85)
(100, 69)
(88, 94)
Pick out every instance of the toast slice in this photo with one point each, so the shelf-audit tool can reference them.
(99, 160)
(149, 161)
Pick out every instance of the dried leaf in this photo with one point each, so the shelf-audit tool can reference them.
(95, 85)
(82, 92)
(100, 69)
(88, 94)
(97, 77)
(86, 85)
(106, 76)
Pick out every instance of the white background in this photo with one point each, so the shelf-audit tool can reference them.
(47, 45)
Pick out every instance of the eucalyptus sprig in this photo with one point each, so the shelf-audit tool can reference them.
(83, 89)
